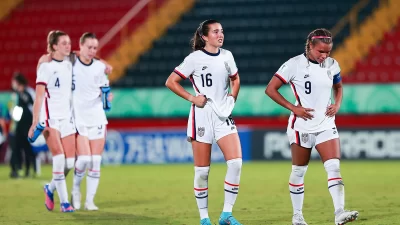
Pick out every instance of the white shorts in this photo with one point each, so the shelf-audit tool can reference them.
(92, 133)
(66, 127)
(309, 140)
(205, 126)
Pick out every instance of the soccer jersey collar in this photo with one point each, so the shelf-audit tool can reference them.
(211, 54)
(57, 60)
(313, 61)
(79, 58)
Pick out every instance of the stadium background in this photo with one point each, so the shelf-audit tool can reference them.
(145, 39)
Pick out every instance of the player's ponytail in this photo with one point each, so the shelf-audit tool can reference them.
(316, 36)
(52, 39)
(197, 42)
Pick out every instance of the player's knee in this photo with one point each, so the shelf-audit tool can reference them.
(332, 165)
(58, 162)
(299, 171)
(201, 175)
(235, 164)
(96, 162)
(69, 163)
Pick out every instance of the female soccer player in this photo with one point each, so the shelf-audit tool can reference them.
(312, 76)
(210, 69)
(90, 118)
(52, 108)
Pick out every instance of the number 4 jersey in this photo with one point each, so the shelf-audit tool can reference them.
(311, 84)
(209, 74)
(56, 76)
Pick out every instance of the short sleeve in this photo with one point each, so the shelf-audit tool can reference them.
(186, 68)
(43, 74)
(101, 80)
(231, 66)
(287, 71)
(334, 69)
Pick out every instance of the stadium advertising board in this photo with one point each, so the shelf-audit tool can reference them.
(158, 147)
(355, 144)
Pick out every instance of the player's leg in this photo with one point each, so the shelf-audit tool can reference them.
(53, 141)
(301, 152)
(228, 140)
(328, 146)
(68, 140)
(97, 141)
(82, 163)
(200, 135)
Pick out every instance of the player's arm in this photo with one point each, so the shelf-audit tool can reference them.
(3, 126)
(173, 83)
(235, 86)
(37, 104)
(273, 93)
(338, 96)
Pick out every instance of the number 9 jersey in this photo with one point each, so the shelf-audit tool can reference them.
(311, 83)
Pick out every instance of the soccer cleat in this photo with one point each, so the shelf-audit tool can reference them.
(345, 216)
(66, 208)
(76, 200)
(49, 198)
(91, 206)
(226, 218)
(205, 221)
(298, 219)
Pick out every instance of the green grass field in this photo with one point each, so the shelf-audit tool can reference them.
(163, 194)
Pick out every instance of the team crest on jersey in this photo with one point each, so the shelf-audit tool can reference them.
(304, 137)
(329, 74)
(227, 68)
(200, 131)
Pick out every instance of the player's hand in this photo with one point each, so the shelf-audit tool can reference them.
(110, 97)
(109, 69)
(30, 133)
(234, 97)
(304, 113)
(200, 101)
(332, 110)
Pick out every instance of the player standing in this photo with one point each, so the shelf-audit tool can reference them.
(210, 69)
(91, 122)
(312, 76)
(52, 109)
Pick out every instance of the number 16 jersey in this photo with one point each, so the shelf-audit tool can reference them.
(311, 84)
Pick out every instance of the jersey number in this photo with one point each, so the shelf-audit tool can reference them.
(57, 84)
(73, 83)
(307, 85)
(230, 120)
(208, 81)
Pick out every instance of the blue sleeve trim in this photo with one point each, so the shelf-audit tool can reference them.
(337, 78)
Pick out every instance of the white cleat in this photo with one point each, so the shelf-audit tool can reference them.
(345, 216)
(298, 219)
(91, 206)
(76, 200)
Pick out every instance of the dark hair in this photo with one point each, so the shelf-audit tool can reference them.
(52, 39)
(85, 36)
(20, 78)
(316, 36)
(197, 41)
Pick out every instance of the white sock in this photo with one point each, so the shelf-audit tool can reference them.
(69, 164)
(232, 180)
(81, 164)
(335, 183)
(93, 178)
(201, 189)
(296, 187)
(52, 186)
(59, 177)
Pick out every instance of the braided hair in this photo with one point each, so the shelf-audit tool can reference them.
(317, 35)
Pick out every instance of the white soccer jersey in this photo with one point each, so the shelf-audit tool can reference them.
(57, 77)
(311, 83)
(209, 74)
(87, 103)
